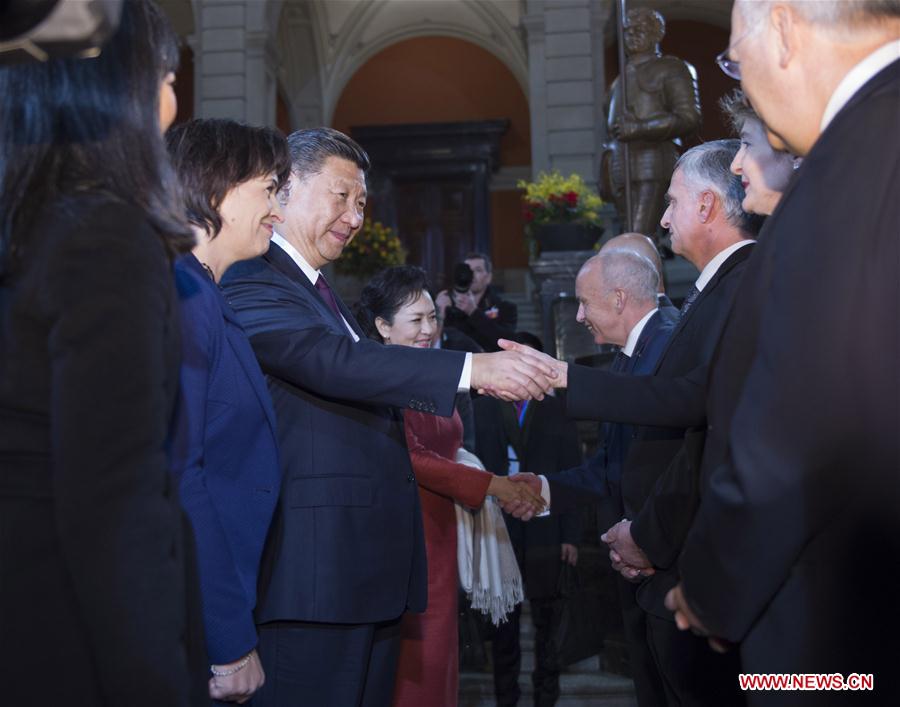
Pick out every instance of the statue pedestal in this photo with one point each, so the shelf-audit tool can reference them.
(554, 275)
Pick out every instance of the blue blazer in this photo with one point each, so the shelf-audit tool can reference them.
(224, 453)
(346, 544)
(601, 475)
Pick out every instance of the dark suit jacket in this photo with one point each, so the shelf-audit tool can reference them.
(546, 443)
(654, 449)
(97, 576)
(225, 456)
(798, 528)
(658, 509)
(346, 544)
(601, 476)
(668, 310)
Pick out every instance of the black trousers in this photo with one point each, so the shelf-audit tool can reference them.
(507, 656)
(648, 683)
(693, 675)
(328, 665)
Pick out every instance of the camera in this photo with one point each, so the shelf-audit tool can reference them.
(462, 278)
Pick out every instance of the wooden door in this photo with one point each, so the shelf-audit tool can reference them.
(436, 222)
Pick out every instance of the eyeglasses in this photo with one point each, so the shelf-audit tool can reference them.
(730, 67)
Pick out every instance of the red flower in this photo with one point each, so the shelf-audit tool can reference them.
(529, 215)
(571, 198)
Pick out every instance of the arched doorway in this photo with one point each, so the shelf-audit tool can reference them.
(443, 80)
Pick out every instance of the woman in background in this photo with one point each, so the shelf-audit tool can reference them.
(396, 308)
(98, 595)
(224, 445)
(764, 171)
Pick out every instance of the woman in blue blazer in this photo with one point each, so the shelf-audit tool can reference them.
(223, 443)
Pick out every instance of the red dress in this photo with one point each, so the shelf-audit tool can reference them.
(428, 668)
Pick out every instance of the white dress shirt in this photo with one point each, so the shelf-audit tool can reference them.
(712, 267)
(857, 77)
(628, 350)
(312, 274)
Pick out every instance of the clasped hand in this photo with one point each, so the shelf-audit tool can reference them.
(238, 686)
(517, 508)
(511, 494)
(624, 554)
(686, 619)
(516, 373)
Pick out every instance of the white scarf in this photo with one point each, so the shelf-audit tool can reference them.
(488, 571)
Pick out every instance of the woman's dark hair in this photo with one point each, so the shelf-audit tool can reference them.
(213, 156)
(386, 293)
(73, 126)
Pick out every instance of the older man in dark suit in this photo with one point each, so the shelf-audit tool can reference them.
(709, 228)
(345, 556)
(800, 462)
(617, 292)
(799, 520)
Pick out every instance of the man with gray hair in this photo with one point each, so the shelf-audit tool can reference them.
(798, 527)
(643, 245)
(708, 228)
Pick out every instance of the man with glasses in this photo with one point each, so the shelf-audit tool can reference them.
(798, 520)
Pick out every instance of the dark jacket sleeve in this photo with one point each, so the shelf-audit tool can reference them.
(119, 524)
(663, 523)
(639, 400)
(570, 456)
(579, 485)
(295, 344)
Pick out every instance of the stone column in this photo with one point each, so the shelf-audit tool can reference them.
(234, 61)
(567, 85)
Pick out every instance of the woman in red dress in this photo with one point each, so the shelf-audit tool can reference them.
(396, 308)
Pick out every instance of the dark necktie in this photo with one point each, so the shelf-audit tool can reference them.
(619, 362)
(328, 296)
(688, 301)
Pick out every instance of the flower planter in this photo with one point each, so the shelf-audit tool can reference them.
(567, 236)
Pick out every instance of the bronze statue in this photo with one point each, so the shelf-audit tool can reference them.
(661, 104)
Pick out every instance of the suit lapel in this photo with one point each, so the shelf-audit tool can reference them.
(236, 339)
(248, 362)
(649, 330)
(738, 256)
(282, 262)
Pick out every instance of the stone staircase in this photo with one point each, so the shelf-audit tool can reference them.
(583, 684)
(529, 318)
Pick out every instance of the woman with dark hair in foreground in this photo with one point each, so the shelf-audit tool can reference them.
(224, 442)
(396, 308)
(98, 595)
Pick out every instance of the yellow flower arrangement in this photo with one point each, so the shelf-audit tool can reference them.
(553, 198)
(374, 248)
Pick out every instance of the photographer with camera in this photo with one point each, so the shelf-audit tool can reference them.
(473, 306)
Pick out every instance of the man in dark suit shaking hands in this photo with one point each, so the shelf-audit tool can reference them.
(345, 555)
(798, 526)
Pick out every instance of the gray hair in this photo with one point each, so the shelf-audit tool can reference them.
(708, 167)
(827, 12)
(634, 273)
(310, 148)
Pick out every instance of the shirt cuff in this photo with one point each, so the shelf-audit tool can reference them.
(545, 494)
(465, 378)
